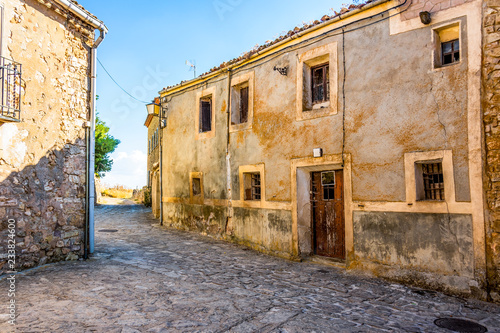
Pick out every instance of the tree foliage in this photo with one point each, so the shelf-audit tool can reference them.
(105, 144)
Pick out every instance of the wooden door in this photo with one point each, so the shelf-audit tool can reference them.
(327, 202)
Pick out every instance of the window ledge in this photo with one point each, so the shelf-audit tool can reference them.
(240, 127)
(317, 113)
(4, 119)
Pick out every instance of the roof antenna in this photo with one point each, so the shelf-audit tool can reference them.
(192, 65)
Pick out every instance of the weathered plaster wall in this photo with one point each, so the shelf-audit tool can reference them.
(491, 110)
(431, 6)
(441, 244)
(42, 158)
(396, 103)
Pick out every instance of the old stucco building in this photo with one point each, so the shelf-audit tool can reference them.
(356, 140)
(46, 130)
(153, 184)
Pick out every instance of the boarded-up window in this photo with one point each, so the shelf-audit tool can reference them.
(252, 186)
(433, 181)
(320, 78)
(206, 114)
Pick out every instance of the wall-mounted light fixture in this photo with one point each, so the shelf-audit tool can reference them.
(282, 70)
(425, 17)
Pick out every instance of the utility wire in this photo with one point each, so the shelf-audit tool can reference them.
(290, 48)
(138, 100)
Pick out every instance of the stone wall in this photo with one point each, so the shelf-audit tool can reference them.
(491, 110)
(43, 157)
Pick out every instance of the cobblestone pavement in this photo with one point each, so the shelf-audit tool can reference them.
(148, 279)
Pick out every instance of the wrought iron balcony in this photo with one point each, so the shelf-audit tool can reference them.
(10, 76)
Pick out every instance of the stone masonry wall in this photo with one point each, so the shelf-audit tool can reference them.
(43, 157)
(491, 110)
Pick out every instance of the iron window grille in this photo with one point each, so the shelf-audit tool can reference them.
(432, 175)
(11, 76)
(450, 52)
(320, 84)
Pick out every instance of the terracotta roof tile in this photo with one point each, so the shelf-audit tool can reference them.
(290, 33)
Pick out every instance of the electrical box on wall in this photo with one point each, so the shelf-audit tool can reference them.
(318, 152)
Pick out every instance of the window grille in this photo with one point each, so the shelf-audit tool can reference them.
(432, 175)
(10, 74)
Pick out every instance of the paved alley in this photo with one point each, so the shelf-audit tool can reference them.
(144, 278)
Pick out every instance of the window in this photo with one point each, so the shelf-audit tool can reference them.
(11, 90)
(450, 52)
(206, 114)
(447, 45)
(252, 186)
(328, 184)
(432, 181)
(242, 89)
(429, 178)
(239, 106)
(196, 186)
(149, 146)
(320, 84)
(317, 83)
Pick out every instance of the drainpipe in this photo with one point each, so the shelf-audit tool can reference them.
(160, 116)
(90, 184)
(229, 226)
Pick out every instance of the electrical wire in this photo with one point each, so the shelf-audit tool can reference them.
(119, 86)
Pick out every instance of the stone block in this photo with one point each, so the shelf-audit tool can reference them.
(71, 234)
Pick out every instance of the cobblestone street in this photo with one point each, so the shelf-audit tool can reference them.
(147, 279)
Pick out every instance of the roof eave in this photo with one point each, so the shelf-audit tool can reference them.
(274, 46)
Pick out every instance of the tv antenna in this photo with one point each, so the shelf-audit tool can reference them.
(192, 65)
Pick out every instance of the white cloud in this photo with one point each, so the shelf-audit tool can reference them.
(129, 169)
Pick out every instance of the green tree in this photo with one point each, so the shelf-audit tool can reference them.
(105, 144)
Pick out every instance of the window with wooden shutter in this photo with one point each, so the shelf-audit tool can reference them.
(320, 78)
(244, 104)
(252, 186)
(205, 114)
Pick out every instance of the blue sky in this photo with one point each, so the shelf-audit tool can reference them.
(147, 47)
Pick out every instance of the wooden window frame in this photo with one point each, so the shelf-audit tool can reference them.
(325, 83)
(203, 117)
(252, 186)
(237, 83)
(441, 35)
(203, 94)
(452, 53)
(308, 60)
